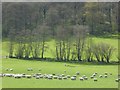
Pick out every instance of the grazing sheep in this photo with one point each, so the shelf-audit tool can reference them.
(17, 76)
(62, 75)
(105, 76)
(45, 76)
(94, 74)
(110, 73)
(117, 80)
(8, 75)
(106, 73)
(91, 77)
(55, 77)
(60, 78)
(49, 77)
(37, 74)
(37, 77)
(29, 69)
(85, 78)
(81, 78)
(11, 69)
(95, 79)
(65, 78)
(68, 76)
(73, 78)
(77, 73)
(53, 74)
(74, 75)
(41, 76)
(100, 76)
(28, 76)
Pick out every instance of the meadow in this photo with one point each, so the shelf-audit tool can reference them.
(21, 66)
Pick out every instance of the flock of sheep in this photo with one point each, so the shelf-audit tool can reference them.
(94, 76)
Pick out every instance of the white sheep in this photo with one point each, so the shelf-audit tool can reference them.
(28, 76)
(49, 77)
(55, 77)
(100, 76)
(105, 76)
(91, 77)
(106, 73)
(68, 76)
(60, 78)
(77, 73)
(95, 79)
(11, 69)
(74, 75)
(73, 78)
(37, 77)
(81, 78)
(85, 78)
(41, 76)
(117, 80)
(65, 77)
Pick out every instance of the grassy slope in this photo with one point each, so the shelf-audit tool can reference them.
(20, 66)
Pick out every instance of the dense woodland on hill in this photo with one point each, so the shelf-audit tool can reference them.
(30, 25)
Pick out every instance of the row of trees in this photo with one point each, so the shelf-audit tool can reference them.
(71, 43)
(30, 26)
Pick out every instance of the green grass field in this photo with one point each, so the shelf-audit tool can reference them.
(20, 66)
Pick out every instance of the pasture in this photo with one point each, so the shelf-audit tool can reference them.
(58, 68)
(21, 66)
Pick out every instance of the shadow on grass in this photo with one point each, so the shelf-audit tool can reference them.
(67, 62)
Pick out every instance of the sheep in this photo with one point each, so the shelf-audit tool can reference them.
(100, 76)
(17, 76)
(55, 77)
(65, 78)
(106, 73)
(8, 75)
(45, 76)
(62, 75)
(77, 73)
(49, 77)
(37, 74)
(53, 74)
(81, 78)
(95, 79)
(29, 69)
(37, 77)
(117, 80)
(74, 75)
(68, 76)
(91, 77)
(94, 74)
(60, 78)
(85, 78)
(41, 76)
(73, 78)
(11, 69)
(105, 76)
(28, 76)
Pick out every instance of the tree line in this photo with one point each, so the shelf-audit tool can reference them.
(30, 26)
